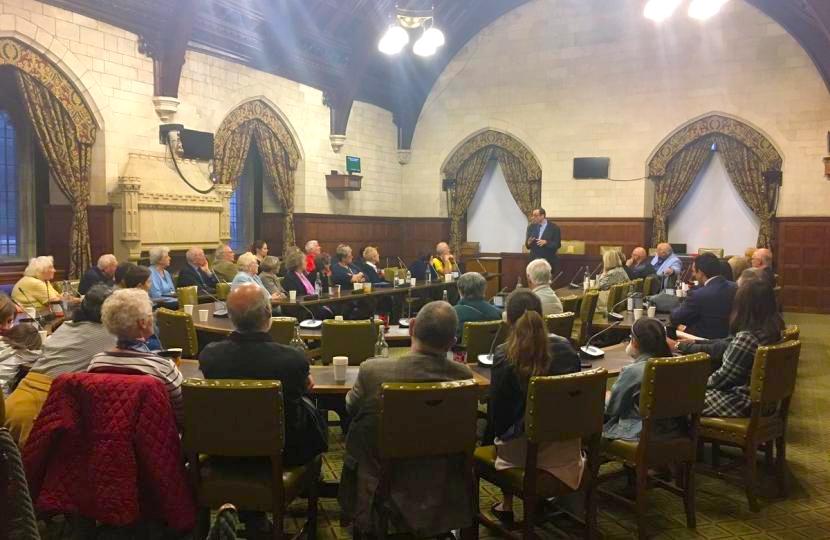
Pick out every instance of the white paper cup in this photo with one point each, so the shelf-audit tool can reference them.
(203, 315)
(336, 290)
(592, 283)
(43, 335)
(638, 313)
(670, 292)
(292, 296)
(678, 293)
(412, 282)
(31, 312)
(357, 286)
(447, 278)
(188, 308)
(652, 311)
(340, 364)
(629, 304)
(367, 287)
(338, 317)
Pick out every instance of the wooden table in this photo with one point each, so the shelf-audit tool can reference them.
(601, 322)
(562, 292)
(351, 296)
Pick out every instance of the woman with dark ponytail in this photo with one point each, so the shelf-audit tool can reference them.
(622, 408)
(529, 351)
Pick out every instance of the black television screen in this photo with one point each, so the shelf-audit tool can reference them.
(591, 167)
(352, 164)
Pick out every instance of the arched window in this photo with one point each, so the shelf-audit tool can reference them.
(9, 189)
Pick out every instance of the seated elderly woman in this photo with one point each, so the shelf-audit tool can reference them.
(35, 288)
(472, 306)
(248, 267)
(162, 283)
(268, 269)
(19, 348)
(613, 273)
(128, 315)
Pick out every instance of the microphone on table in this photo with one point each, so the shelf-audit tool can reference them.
(572, 283)
(310, 323)
(596, 270)
(498, 295)
(595, 353)
(487, 359)
(613, 314)
(553, 281)
(483, 268)
(222, 310)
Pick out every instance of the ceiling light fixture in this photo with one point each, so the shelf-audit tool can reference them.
(396, 36)
(659, 10)
(703, 9)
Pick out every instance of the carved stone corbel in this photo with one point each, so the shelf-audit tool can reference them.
(128, 195)
(224, 192)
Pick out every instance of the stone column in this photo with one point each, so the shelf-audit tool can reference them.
(224, 192)
(129, 190)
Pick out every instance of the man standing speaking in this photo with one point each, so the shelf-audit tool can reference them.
(543, 238)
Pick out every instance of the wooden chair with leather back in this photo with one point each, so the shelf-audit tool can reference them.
(671, 388)
(245, 468)
(561, 324)
(355, 339)
(557, 409)
(616, 295)
(718, 252)
(175, 329)
(582, 327)
(791, 333)
(188, 296)
(636, 286)
(571, 302)
(480, 337)
(772, 385)
(651, 285)
(282, 329)
(223, 289)
(422, 421)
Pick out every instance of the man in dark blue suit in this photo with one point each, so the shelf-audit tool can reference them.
(706, 310)
(543, 238)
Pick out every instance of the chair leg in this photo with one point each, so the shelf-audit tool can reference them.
(528, 530)
(313, 501)
(641, 501)
(751, 474)
(591, 510)
(202, 523)
(476, 506)
(781, 466)
(768, 453)
(689, 494)
(715, 455)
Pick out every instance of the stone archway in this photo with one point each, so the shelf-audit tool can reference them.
(749, 157)
(66, 130)
(466, 165)
(259, 122)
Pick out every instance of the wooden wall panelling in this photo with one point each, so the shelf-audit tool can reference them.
(802, 260)
(58, 227)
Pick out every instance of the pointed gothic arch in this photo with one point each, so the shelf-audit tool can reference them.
(749, 157)
(259, 122)
(466, 165)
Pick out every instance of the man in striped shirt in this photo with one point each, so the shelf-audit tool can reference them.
(128, 315)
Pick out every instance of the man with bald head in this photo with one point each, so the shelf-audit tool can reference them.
(444, 261)
(762, 259)
(637, 266)
(197, 271)
(666, 263)
(427, 508)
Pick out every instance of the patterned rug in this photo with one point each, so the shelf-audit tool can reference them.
(722, 510)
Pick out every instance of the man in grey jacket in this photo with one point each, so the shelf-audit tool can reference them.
(428, 496)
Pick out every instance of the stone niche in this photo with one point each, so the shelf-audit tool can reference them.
(154, 206)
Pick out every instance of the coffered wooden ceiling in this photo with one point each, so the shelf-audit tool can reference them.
(332, 44)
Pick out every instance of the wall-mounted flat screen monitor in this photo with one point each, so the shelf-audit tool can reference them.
(591, 167)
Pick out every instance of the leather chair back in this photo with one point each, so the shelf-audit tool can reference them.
(651, 285)
(570, 303)
(636, 285)
(615, 295)
(427, 419)
(674, 387)
(791, 333)
(223, 289)
(561, 324)
(718, 252)
(774, 372)
(218, 419)
(175, 329)
(477, 337)
(282, 329)
(586, 315)
(188, 295)
(564, 407)
(355, 339)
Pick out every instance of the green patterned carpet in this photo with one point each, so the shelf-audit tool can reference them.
(722, 510)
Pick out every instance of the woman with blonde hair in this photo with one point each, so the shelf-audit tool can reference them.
(35, 288)
(613, 270)
(528, 352)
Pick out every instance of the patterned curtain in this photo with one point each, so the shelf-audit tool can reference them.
(527, 191)
(229, 161)
(670, 188)
(277, 162)
(69, 162)
(747, 174)
(467, 180)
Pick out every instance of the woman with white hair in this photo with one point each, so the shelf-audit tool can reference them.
(128, 315)
(161, 281)
(248, 264)
(35, 288)
(472, 306)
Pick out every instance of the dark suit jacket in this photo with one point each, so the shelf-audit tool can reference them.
(705, 312)
(292, 283)
(419, 270)
(640, 271)
(548, 252)
(189, 276)
(371, 275)
(257, 356)
(343, 276)
(94, 276)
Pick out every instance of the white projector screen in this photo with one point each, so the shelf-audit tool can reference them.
(712, 214)
(494, 219)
